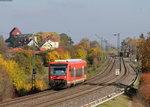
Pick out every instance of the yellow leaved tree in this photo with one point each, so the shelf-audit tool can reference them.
(64, 54)
(80, 53)
(47, 35)
(52, 56)
(15, 73)
(94, 55)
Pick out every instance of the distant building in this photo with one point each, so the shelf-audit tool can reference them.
(48, 44)
(25, 40)
(18, 40)
(128, 47)
(15, 31)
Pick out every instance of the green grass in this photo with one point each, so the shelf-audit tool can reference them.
(136, 84)
(120, 101)
(92, 71)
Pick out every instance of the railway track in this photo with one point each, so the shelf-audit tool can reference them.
(49, 92)
(82, 92)
(53, 98)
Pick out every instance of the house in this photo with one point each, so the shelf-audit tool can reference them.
(48, 44)
(17, 40)
(25, 40)
(15, 31)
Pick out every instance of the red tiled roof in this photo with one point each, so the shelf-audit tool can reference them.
(14, 50)
(15, 31)
(42, 49)
(23, 50)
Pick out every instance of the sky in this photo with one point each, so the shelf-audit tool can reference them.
(77, 18)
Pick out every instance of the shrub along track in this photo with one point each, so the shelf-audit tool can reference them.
(18, 100)
(54, 97)
(81, 91)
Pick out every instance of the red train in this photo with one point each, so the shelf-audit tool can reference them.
(66, 73)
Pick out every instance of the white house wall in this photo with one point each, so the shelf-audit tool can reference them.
(50, 45)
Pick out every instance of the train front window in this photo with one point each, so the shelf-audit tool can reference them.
(58, 71)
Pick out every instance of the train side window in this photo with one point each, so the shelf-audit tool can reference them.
(79, 72)
(85, 70)
(71, 72)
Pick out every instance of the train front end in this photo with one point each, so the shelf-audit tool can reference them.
(58, 75)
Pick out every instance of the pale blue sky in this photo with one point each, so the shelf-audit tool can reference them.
(77, 18)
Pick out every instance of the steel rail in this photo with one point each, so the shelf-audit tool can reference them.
(34, 96)
(81, 93)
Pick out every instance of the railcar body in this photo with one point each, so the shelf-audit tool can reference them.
(66, 73)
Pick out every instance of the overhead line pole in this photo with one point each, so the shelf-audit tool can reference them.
(118, 41)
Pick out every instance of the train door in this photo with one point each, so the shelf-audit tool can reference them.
(82, 71)
(74, 76)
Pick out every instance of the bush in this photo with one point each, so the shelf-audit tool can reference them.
(16, 75)
(144, 87)
(6, 88)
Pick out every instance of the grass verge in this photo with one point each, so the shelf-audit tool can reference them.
(120, 101)
(92, 71)
(124, 100)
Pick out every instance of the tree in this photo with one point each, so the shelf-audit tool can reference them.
(16, 74)
(80, 53)
(65, 40)
(142, 36)
(39, 65)
(94, 44)
(143, 91)
(64, 54)
(47, 35)
(85, 43)
(52, 56)
(12, 40)
(145, 50)
(6, 87)
(3, 46)
(94, 53)
(24, 59)
(95, 62)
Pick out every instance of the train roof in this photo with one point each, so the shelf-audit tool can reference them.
(69, 60)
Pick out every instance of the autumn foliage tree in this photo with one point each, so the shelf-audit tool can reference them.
(6, 87)
(59, 53)
(47, 35)
(24, 59)
(65, 40)
(52, 56)
(80, 54)
(145, 50)
(144, 87)
(94, 53)
(85, 43)
(64, 54)
(3, 46)
(16, 74)
(95, 44)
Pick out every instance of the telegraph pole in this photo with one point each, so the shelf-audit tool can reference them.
(101, 45)
(100, 40)
(118, 41)
(118, 64)
(33, 69)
